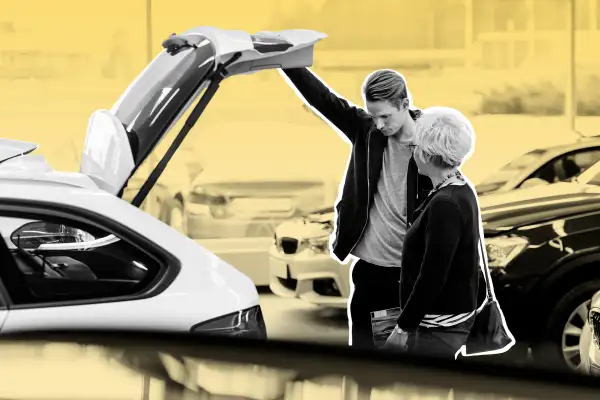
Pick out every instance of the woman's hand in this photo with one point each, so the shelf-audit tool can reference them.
(397, 340)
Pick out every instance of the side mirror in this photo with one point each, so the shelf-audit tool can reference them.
(33, 235)
(533, 182)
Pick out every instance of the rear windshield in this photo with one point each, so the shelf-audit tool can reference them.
(150, 104)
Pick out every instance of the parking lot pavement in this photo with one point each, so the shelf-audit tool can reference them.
(294, 319)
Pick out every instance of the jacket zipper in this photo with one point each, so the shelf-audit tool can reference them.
(368, 190)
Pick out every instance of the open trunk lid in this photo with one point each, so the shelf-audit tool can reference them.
(120, 139)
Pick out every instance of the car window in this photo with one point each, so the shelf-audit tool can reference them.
(512, 168)
(61, 261)
(567, 166)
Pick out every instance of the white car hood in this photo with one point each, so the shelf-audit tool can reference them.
(301, 229)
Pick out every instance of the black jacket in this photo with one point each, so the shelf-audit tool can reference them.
(366, 160)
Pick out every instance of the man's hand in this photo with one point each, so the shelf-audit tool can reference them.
(397, 340)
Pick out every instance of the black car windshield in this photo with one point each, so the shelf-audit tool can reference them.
(512, 169)
(150, 104)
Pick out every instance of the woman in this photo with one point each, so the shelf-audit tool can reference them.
(439, 274)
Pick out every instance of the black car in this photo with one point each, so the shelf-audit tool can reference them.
(543, 247)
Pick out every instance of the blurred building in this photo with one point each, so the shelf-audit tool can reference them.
(486, 33)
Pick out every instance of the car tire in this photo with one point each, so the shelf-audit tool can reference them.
(169, 210)
(549, 350)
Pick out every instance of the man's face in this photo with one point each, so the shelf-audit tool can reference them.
(388, 118)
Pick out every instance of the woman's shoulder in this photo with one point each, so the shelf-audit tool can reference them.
(460, 195)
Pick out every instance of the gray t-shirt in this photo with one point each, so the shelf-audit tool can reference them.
(382, 240)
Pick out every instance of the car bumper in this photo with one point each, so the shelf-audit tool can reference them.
(315, 278)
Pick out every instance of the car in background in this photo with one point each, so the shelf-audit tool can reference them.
(76, 256)
(300, 264)
(254, 176)
(589, 345)
(543, 166)
(234, 214)
(543, 246)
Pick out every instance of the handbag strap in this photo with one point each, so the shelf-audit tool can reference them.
(486, 269)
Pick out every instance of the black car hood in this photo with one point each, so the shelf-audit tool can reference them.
(508, 210)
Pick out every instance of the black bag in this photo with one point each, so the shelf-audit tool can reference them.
(489, 334)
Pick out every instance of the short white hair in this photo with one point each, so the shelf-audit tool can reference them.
(446, 135)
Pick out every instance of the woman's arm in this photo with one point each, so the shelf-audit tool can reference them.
(442, 234)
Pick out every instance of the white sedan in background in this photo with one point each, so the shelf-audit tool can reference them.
(300, 264)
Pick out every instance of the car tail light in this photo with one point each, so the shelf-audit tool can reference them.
(218, 211)
(501, 250)
(248, 323)
(203, 202)
(201, 196)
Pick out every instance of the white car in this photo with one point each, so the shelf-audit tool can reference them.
(589, 342)
(234, 212)
(300, 264)
(77, 256)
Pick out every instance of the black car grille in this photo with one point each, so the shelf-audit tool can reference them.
(595, 325)
(288, 245)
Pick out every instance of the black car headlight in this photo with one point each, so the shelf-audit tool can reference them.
(319, 245)
(501, 250)
(248, 323)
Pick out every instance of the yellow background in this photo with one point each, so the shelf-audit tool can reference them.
(62, 59)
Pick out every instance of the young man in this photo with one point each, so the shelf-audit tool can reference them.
(382, 188)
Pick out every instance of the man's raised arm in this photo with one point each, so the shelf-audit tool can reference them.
(347, 118)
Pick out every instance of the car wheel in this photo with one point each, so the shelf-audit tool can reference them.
(172, 214)
(560, 344)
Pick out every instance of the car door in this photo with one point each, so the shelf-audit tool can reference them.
(53, 265)
(3, 306)
(120, 139)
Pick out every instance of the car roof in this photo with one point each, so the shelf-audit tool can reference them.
(51, 178)
(39, 188)
(584, 142)
(93, 200)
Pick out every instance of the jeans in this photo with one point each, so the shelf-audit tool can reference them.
(375, 288)
(439, 342)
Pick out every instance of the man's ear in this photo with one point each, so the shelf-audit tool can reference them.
(405, 103)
